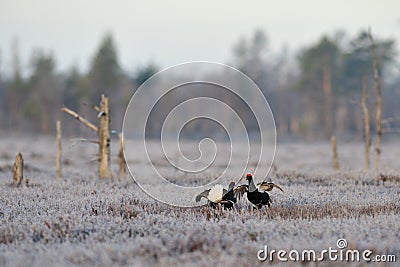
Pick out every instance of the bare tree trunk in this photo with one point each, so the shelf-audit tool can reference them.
(104, 139)
(58, 156)
(366, 122)
(378, 102)
(327, 87)
(18, 170)
(121, 158)
(103, 132)
(335, 162)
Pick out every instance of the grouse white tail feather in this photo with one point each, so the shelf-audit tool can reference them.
(216, 193)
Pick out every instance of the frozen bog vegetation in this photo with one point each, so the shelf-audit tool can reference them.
(81, 220)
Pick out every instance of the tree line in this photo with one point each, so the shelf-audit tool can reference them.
(313, 94)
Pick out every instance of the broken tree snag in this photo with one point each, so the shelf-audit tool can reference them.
(18, 170)
(366, 122)
(334, 153)
(103, 132)
(378, 102)
(121, 159)
(80, 118)
(58, 155)
(104, 139)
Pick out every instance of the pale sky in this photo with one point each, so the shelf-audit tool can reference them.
(171, 32)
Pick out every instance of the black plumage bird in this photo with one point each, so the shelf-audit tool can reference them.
(257, 195)
(218, 195)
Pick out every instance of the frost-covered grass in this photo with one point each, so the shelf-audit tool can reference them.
(80, 220)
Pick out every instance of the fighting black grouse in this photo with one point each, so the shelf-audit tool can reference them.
(218, 195)
(257, 195)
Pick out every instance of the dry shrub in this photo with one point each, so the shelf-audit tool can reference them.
(6, 236)
(388, 178)
(310, 212)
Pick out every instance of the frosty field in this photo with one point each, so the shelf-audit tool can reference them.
(81, 220)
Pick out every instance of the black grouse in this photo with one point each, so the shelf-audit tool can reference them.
(257, 195)
(218, 195)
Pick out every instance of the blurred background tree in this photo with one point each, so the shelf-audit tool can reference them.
(145, 72)
(106, 77)
(320, 66)
(312, 95)
(14, 94)
(105, 72)
(44, 92)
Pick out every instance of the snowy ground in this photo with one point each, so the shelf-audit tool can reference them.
(81, 220)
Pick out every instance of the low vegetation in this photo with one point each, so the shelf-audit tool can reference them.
(81, 220)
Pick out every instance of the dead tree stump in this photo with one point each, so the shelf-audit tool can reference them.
(366, 123)
(18, 170)
(121, 158)
(103, 132)
(335, 161)
(378, 124)
(104, 139)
